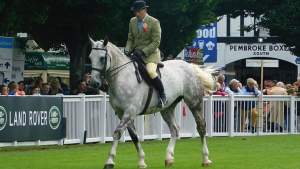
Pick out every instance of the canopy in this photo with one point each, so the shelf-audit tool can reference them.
(46, 61)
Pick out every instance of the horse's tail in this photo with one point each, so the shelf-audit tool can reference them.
(205, 74)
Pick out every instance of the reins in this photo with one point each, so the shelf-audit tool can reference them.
(102, 72)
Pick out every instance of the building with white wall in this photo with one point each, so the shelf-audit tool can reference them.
(239, 53)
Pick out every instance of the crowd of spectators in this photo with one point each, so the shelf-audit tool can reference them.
(37, 86)
(276, 115)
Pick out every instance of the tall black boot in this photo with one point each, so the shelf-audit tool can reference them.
(161, 91)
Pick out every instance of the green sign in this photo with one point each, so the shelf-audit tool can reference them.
(35, 118)
(46, 61)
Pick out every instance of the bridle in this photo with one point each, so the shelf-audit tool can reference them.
(103, 71)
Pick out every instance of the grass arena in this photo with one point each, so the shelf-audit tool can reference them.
(276, 151)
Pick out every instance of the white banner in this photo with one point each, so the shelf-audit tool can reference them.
(257, 63)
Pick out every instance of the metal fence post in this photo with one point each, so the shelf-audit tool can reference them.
(231, 116)
(102, 119)
(209, 123)
(292, 115)
(81, 118)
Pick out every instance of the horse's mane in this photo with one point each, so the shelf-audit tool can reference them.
(116, 50)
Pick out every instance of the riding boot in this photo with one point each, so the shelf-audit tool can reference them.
(161, 91)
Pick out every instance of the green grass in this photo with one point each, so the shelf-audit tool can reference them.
(279, 151)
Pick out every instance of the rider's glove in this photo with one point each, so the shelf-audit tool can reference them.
(139, 53)
(127, 53)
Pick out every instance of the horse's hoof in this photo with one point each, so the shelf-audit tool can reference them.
(206, 165)
(169, 163)
(109, 166)
(142, 166)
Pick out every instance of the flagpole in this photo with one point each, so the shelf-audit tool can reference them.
(261, 96)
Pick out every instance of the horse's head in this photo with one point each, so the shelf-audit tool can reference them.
(100, 61)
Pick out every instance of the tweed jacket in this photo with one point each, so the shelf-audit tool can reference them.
(148, 40)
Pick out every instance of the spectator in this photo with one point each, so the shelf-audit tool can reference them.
(277, 107)
(267, 89)
(30, 83)
(298, 81)
(21, 85)
(249, 106)
(34, 90)
(219, 110)
(3, 90)
(39, 82)
(224, 87)
(240, 85)
(82, 88)
(8, 86)
(55, 86)
(234, 87)
(45, 89)
(87, 79)
(104, 87)
(64, 86)
(274, 83)
(170, 57)
(13, 90)
(295, 85)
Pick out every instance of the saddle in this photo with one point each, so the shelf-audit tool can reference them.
(142, 74)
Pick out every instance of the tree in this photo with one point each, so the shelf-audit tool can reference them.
(70, 22)
(280, 17)
(180, 19)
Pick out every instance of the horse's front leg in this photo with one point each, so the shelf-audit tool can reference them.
(138, 146)
(126, 119)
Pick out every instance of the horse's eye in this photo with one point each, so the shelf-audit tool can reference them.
(102, 59)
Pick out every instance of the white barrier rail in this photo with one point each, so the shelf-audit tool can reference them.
(94, 115)
(90, 118)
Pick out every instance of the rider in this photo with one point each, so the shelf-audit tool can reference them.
(145, 32)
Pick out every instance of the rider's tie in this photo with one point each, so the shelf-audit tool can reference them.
(140, 25)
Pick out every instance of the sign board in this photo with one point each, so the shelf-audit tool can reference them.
(6, 54)
(35, 118)
(11, 60)
(46, 61)
(204, 48)
(257, 63)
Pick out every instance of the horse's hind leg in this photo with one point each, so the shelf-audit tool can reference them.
(139, 149)
(201, 128)
(168, 116)
(125, 121)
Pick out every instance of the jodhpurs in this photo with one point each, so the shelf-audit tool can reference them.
(151, 67)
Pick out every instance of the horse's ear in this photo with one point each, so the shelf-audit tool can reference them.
(105, 41)
(91, 40)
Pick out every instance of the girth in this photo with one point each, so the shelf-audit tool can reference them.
(142, 74)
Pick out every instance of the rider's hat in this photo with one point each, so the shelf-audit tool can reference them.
(138, 5)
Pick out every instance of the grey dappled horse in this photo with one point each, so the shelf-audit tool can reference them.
(128, 97)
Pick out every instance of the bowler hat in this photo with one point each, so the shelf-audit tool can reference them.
(138, 5)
